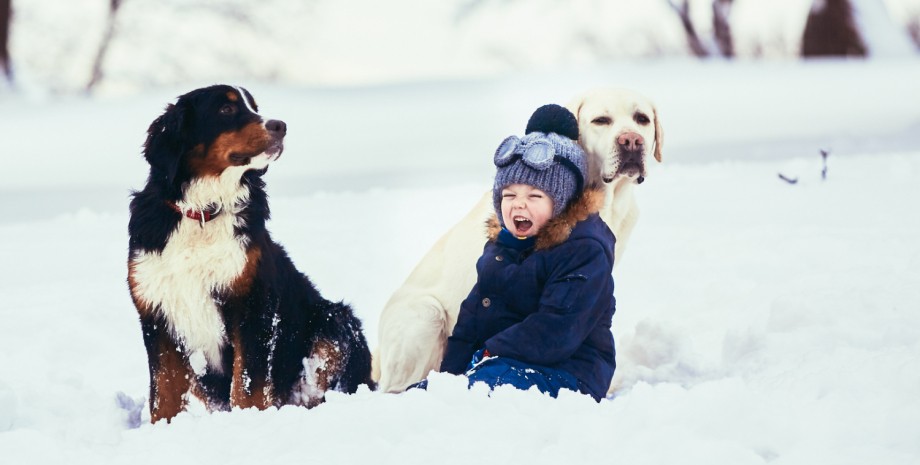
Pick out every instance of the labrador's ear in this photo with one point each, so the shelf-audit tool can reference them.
(575, 107)
(595, 158)
(659, 134)
(166, 143)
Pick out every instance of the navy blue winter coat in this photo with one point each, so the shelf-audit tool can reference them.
(550, 305)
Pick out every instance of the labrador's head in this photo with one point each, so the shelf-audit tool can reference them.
(620, 130)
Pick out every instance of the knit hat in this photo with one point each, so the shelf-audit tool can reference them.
(547, 157)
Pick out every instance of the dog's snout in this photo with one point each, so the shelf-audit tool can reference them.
(276, 125)
(630, 141)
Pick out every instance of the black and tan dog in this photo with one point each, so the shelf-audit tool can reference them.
(226, 317)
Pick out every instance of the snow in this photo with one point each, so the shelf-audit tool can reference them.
(757, 321)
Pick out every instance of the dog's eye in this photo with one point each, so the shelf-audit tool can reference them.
(602, 120)
(641, 118)
(227, 110)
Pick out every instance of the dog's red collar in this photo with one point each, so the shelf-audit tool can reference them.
(202, 216)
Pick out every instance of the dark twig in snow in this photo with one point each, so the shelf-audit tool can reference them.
(789, 180)
(824, 154)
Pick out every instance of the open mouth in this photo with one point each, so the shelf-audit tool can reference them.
(630, 169)
(272, 153)
(274, 150)
(522, 225)
(631, 163)
(240, 159)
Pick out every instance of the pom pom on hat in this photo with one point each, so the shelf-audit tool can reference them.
(553, 118)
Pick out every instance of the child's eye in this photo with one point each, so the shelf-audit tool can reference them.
(536, 196)
(507, 196)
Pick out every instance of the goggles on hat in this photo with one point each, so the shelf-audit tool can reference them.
(537, 154)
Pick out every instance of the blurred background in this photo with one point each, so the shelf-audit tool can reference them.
(118, 47)
(407, 93)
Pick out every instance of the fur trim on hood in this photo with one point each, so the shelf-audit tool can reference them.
(558, 229)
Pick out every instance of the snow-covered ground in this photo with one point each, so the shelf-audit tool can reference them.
(757, 321)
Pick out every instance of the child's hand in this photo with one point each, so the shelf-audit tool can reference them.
(478, 357)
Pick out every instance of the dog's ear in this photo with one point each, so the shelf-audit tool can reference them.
(659, 134)
(575, 107)
(166, 143)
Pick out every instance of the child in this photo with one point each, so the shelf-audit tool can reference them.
(540, 312)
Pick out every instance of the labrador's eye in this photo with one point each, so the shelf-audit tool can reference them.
(602, 120)
(227, 109)
(641, 118)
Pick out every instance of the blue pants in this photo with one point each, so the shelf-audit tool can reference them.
(501, 371)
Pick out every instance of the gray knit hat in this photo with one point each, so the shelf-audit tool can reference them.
(547, 157)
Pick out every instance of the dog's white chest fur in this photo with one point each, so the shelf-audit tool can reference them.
(197, 264)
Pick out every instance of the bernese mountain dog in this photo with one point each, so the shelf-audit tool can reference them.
(226, 317)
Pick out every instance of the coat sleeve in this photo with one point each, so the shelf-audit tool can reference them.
(464, 341)
(577, 294)
(460, 345)
(457, 356)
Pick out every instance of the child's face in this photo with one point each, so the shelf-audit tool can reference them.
(525, 209)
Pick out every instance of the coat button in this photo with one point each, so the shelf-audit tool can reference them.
(486, 302)
(499, 258)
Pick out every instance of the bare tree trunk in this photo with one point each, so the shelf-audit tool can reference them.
(6, 17)
(913, 28)
(693, 39)
(721, 29)
(831, 31)
(104, 46)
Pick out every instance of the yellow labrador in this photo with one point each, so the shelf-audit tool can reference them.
(621, 133)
